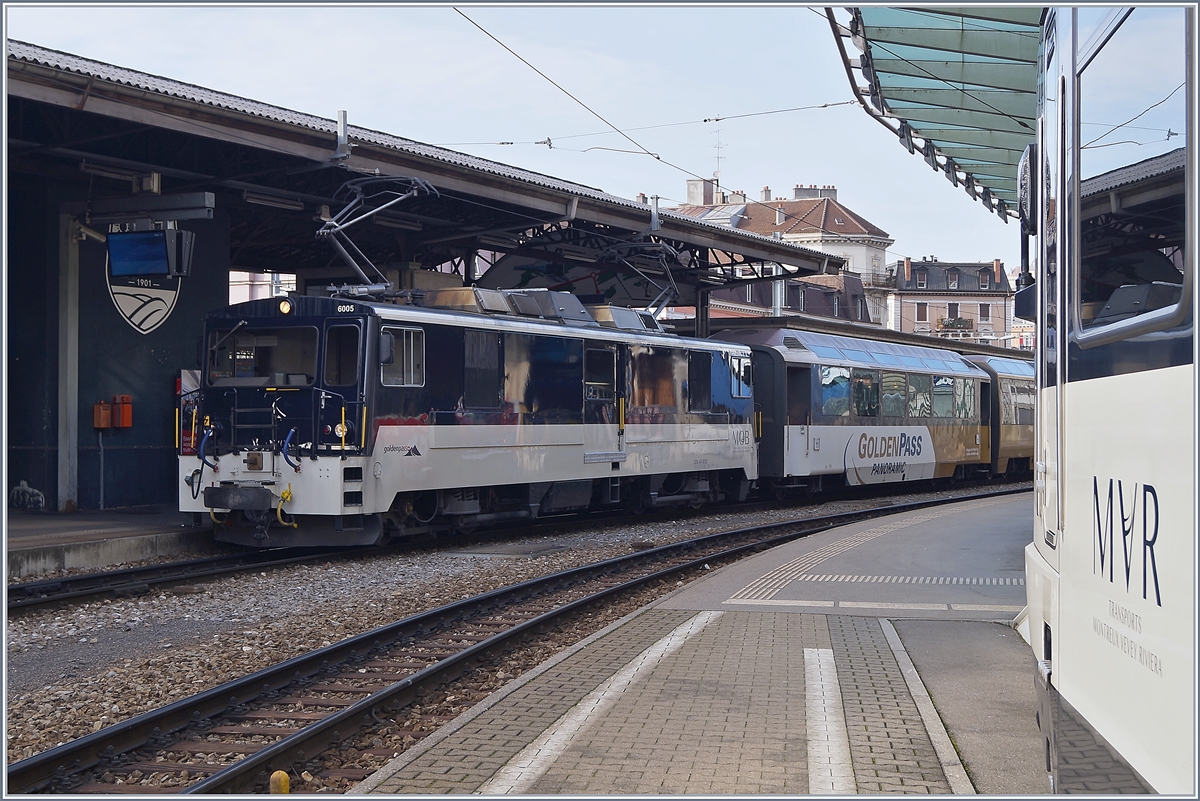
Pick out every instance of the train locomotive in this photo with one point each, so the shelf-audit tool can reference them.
(847, 410)
(339, 421)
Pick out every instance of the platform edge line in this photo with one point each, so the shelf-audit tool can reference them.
(956, 774)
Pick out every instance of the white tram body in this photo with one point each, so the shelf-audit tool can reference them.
(864, 411)
(1111, 571)
(334, 421)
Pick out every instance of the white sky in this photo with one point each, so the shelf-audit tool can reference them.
(426, 73)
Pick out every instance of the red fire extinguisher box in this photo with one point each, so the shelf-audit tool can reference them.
(122, 411)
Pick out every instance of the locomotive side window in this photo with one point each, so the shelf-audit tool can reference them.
(891, 401)
(740, 368)
(408, 362)
(835, 391)
(654, 381)
(275, 356)
(699, 381)
(600, 374)
(341, 355)
(482, 370)
(920, 395)
(1132, 129)
(865, 392)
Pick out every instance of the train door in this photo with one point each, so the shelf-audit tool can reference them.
(799, 419)
(601, 416)
(339, 400)
(1048, 456)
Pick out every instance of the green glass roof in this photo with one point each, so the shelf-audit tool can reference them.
(958, 85)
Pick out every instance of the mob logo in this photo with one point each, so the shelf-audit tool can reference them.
(1104, 555)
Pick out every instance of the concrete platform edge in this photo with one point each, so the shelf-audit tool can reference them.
(116, 550)
(952, 765)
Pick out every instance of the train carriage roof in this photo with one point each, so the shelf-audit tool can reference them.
(810, 347)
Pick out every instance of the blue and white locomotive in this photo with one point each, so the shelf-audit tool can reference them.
(327, 420)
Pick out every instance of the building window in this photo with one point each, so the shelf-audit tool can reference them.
(922, 312)
(862, 309)
(985, 312)
(985, 281)
(952, 310)
(920, 279)
(952, 280)
(837, 306)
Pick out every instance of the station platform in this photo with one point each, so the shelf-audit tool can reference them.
(802, 670)
(38, 543)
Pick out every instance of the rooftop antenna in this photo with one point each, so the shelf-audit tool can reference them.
(717, 171)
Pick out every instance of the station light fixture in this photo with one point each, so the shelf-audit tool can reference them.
(274, 201)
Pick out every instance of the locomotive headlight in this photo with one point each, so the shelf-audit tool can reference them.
(285, 306)
(341, 429)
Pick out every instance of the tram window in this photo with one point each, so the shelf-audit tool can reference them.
(481, 370)
(408, 360)
(740, 369)
(275, 356)
(341, 355)
(891, 401)
(699, 381)
(1133, 132)
(964, 398)
(835, 391)
(799, 390)
(943, 396)
(864, 392)
(920, 398)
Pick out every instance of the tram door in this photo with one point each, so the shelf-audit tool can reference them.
(602, 436)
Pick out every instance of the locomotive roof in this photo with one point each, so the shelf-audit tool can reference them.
(811, 347)
(308, 307)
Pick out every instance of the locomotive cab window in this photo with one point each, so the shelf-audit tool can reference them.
(341, 355)
(407, 368)
(739, 367)
(699, 381)
(262, 357)
(1132, 132)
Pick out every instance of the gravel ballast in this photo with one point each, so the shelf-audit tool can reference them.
(74, 670)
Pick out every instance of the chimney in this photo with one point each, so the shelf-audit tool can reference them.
(779, 215)
(699, 192)
(801, 193)
(907, 269)
(829, 192)
(766, 194)
(641, 197)
(997, 269)
(738, 197)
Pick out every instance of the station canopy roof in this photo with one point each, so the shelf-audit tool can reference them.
(957, 85)
(278, 174)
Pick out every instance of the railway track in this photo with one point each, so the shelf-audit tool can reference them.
(135, 581)
(232, 737)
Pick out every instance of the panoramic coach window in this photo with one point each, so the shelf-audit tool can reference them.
(273, 356)
(892, 394)
(482, 370)
(341, 355)
(1133, 131)
(865, 392)
(920, 396)
(408, 360)
(835, 391)
(943, 396)
(699, 381)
